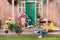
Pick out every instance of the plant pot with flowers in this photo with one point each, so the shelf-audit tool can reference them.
(10, 26)
(17, 29)
(10, 23)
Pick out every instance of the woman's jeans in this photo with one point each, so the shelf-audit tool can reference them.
(29, 22)
(41, 32)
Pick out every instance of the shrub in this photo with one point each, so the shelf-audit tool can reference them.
(17, 28)
(10, 25)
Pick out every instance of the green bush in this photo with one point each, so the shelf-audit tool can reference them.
(10, 25)
(17, 29)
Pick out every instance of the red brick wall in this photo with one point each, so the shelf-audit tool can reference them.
(6, 10)
(53, 13)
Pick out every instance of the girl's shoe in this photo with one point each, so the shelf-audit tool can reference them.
(39, 36)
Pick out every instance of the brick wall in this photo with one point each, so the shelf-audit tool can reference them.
(6, 10)
(53, 14)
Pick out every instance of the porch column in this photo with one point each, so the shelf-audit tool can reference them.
(13, 11)
(47, 11)
(42, 8)
(18, 9)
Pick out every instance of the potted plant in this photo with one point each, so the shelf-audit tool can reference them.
(17, 29)
(10, 26)
(38, 16)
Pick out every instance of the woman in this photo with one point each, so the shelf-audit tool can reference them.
(23, 18)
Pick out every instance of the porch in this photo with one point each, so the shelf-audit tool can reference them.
(29, 32)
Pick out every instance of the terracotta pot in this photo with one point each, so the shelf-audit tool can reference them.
(17, 32)
(10, 29)
(25, 25)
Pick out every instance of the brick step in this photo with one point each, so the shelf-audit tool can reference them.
(53, 34)
(29, 31)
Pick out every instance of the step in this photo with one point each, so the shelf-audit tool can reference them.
(29, 31)
(10, 33)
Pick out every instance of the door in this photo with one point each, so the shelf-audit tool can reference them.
(31, 11)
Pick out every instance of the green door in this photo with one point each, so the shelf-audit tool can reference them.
(31, 11)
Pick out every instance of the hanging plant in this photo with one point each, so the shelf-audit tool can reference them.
(38, 16)
(15, 2)
(49, 1)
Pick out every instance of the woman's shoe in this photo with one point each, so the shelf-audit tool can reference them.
(35, 31)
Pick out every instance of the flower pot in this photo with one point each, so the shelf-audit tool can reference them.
(25, 24)
(17, 32)
(6, 31)
(10, 29)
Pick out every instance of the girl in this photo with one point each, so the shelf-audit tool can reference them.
(42, 30)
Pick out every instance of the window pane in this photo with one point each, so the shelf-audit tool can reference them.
(37, 5)
(22, 4)
(19, 4)
(37, 10)
(19, 10)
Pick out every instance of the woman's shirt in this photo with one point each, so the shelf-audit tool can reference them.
(23, 16)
